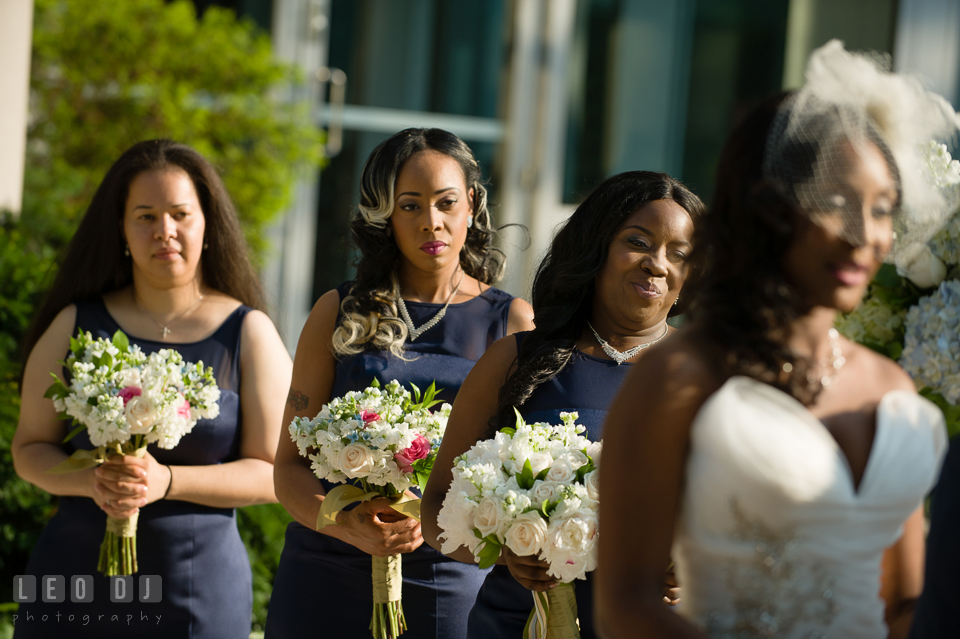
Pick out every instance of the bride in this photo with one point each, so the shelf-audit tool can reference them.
(784, 466)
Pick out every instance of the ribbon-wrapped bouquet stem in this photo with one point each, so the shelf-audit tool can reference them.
(125, 400)
(382, 441)
(534, 489)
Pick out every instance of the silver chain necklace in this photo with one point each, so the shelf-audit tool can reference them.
(165, 328)
(616, 355)
(412, 331)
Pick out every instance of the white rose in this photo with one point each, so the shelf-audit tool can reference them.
(591, 482)
(130, 377)
(141, 413)
(561, 472)
(527, 534)
(578, 533)
(925, 269)
(355, 460)
(539, 461)
(593, 450)
(544, 491)
(488, 518)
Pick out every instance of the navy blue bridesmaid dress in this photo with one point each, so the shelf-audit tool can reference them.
(586, 385)
(323, 586)
(196, 550)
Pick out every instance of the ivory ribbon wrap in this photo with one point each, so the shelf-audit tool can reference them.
(348, 494)
(554, 615)
(123, 527)
(387, 579)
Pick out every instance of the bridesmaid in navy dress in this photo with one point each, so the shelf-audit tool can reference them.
(601, 296)
(159, 255)
(421, 309)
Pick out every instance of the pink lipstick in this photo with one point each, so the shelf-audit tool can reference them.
(850, 273)
(433, 248)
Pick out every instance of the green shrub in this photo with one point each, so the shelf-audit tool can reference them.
(105, 75)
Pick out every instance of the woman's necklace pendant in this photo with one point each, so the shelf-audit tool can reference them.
(621, 357)
(412, 331)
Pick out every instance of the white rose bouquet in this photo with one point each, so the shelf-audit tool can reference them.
(383, 441)
(126, 399)
(535, 490)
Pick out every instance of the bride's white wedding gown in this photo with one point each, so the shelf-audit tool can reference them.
(773, 540)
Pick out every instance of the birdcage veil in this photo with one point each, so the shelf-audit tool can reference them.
(849, 105)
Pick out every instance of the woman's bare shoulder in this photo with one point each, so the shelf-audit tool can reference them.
(874, 373)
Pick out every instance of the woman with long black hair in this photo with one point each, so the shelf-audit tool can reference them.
(782, 466)
(421, 310)
(160, 255)
(602, 295)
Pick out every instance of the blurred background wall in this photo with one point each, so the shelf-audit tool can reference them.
(553, 96)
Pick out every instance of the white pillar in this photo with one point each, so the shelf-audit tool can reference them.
(16, 29)
(300, 31)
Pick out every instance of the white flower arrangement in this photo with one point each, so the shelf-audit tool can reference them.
(931, 350)
(873, 321)
(384, 440)
(534, 489)
(126, 400)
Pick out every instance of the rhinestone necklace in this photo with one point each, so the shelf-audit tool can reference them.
(412, 331)
(830, 366)
(616, 355)
(165, 328)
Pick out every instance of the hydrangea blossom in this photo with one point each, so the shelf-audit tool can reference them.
(931, 350)
(872, 321)
(533, 489)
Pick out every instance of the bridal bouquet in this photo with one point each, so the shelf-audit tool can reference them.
(126, 399)
(384, 441)
(535, 490)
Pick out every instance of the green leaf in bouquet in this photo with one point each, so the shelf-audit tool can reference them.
(73, 433)
(525, 478)
(583, 470)
(91, 401)
(509, 431)
(57, 388)
(895, 350)
(887, 276)
(547, 508)
(543, 474)
(415, 393)
(75, 347)
(489, 552)
(519, 423)
(121, 341)
(375, 383)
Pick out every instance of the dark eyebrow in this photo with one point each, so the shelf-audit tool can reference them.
(147, 206)
(416, 194)
(643, 230)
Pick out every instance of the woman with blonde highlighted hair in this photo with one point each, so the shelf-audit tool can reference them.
(421, 309)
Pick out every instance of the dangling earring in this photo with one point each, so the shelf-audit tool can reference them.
(470, 222)
(126, 249)
(676, 301)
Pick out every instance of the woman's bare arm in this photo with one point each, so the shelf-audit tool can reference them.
(901, 579)
(646, 438)
(476, 403)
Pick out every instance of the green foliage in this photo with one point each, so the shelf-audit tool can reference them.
(98, 86)
(105, 75)
(26, 267)
(262, 529)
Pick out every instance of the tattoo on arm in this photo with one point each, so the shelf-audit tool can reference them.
(297, 400)
(360, 517)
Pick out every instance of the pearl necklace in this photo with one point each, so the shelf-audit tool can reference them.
(412, 331)
(831, 365)
(616, 355)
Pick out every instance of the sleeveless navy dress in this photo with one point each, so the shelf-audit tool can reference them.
(196, 550)
(323, 586)
(586, 385)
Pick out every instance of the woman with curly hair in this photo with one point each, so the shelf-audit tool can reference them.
(782, 466)
(421, 309)
(601, 296)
